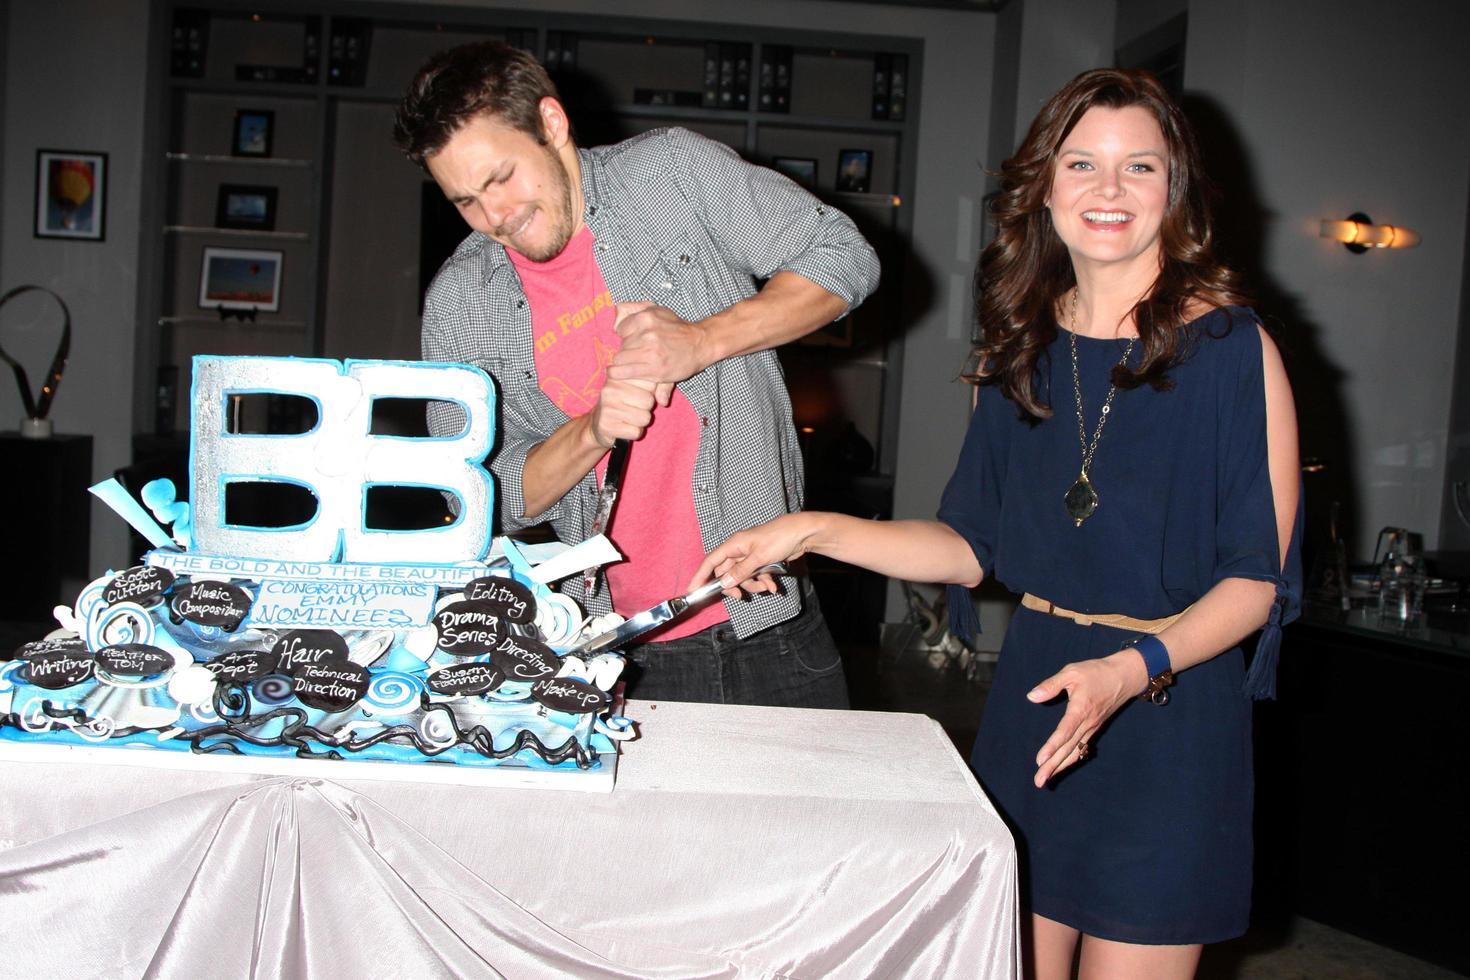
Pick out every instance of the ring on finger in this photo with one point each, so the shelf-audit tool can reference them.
(1083, 750)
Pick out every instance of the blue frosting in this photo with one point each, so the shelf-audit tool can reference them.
(399, 719)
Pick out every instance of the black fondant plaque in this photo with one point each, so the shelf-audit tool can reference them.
(474, 677)
(134, 660)
(512, 598)
(63, 644)
(567, 694)
(468, 629)
(141, 584)
(302, 648)
(211, 604)
(56, 669)
(333, 686)
(524, 658)
(243, 666)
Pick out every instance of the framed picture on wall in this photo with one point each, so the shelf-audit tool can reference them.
(854, 170)
(240, 279)
(71, 194)
(803, 170)
(253, 132)
(248, 206)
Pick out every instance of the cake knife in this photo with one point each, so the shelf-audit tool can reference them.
(662, 613)
(612, 478)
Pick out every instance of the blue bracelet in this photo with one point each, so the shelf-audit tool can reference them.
(1155, 654)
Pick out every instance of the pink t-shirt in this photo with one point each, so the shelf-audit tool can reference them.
(654, 524)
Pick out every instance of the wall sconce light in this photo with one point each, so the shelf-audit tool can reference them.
(1358, 234)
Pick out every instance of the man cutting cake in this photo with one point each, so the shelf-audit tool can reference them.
(636, 292)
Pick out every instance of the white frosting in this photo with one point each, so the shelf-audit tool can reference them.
(192, 685)
(339, 459)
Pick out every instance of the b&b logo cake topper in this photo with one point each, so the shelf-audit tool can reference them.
(340, 458)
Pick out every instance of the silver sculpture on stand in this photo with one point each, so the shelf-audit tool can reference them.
(36, 425)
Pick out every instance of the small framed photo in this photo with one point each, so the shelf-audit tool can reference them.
(253, 132)
(71, 194)
(248, 206)
(240, 279)
(854, 170)
(803, 170)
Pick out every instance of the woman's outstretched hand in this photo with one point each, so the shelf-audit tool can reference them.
(1095, 689)
(735, 561)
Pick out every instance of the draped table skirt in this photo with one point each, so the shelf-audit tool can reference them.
(738, 842)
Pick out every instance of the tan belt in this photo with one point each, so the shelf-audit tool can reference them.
(1099, 619)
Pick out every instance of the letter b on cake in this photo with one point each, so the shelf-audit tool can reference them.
(340, 458)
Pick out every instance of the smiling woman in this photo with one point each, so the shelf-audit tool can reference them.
(1109, 192)
(1111, 342)
(1103, 118)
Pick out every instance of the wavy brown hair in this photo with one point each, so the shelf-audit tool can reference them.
(456, 85)
(1026, 270)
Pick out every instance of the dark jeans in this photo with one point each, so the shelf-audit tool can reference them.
(792, 664)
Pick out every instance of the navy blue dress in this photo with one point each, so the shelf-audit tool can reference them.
(1148, 841)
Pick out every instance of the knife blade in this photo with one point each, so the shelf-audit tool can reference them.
(664, 612)
(612, 479)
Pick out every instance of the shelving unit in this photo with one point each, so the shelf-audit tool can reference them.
(349, 210)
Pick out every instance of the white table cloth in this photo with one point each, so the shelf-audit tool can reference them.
(739, 842)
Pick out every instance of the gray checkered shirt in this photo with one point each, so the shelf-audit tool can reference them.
(684, 222)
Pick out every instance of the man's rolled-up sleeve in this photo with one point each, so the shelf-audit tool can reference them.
(766, 223)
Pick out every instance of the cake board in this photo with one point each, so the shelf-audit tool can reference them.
(511, 775)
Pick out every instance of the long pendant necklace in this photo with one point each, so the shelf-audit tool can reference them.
(1081, 499)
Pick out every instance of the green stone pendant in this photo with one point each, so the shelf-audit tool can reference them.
(1081, 500)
